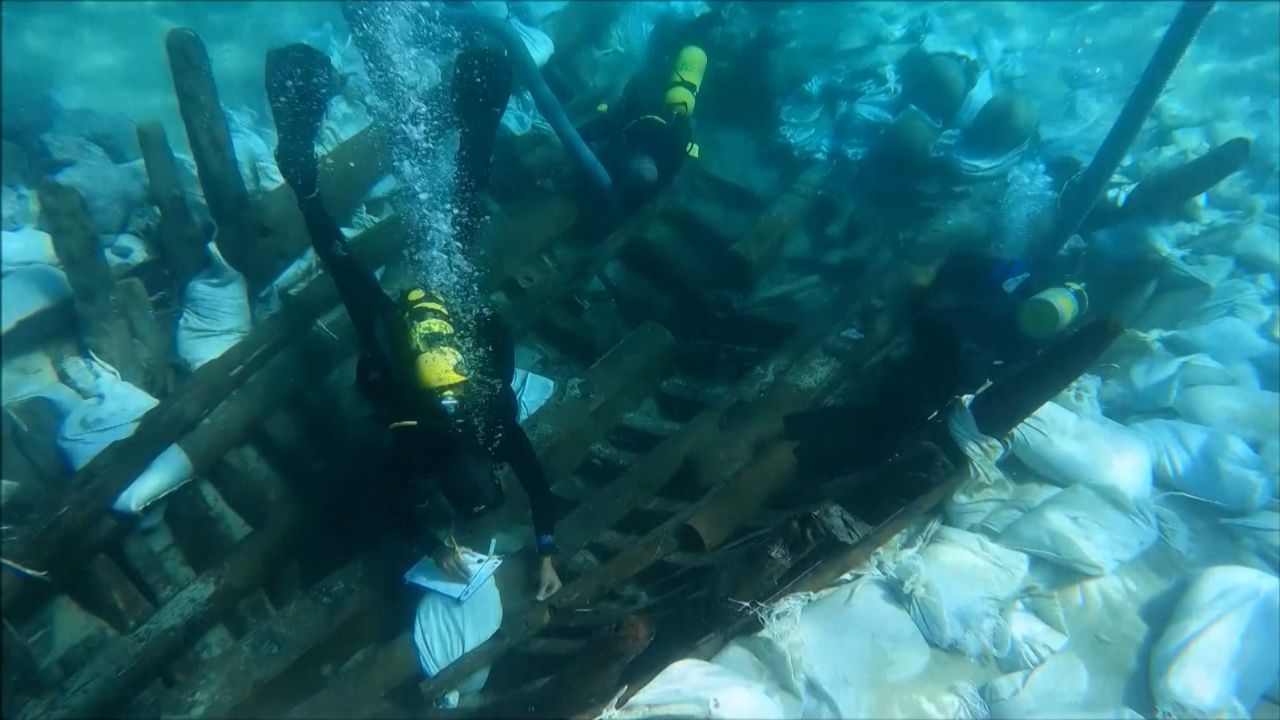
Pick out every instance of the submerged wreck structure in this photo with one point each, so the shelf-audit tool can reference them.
(248, 596)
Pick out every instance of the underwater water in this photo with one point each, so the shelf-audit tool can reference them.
(668, 306)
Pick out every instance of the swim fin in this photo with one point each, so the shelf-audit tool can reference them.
(482, 82)
(300, 82)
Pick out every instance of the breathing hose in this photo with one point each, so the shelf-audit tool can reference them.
(592, 170)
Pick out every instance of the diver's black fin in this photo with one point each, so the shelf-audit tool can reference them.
(482, 81)
(300, 81)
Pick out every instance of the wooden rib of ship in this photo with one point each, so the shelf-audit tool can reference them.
(676, 358)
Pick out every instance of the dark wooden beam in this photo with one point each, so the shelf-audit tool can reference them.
(126, 666)
(215, 156)
(182, 243)
(102, 327)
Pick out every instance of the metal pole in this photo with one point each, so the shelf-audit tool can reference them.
(1079, 197)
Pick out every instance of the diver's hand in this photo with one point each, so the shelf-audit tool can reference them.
(452, 562)
(548, 579)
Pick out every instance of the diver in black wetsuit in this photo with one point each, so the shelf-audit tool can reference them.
(451, 415)
(644, 139)
(984, 315)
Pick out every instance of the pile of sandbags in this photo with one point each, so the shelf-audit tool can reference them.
(108, 409)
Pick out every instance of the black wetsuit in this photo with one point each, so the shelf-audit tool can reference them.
(427, 442)
(485, 424)
(638, 124)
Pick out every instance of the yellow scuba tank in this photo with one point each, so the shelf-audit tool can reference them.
(685, 80)
(437, 363)
(1051, 311)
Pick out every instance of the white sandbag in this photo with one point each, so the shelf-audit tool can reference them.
(1250, 413)
(956, 588)
(1080, 528)
(215, 312)
(976, 500)
(522, 115)
(344, 118)
(1258, 534)
(1025, 497)
(110, 411)
(1270, 455)
(1236, 297)
(1081, 396)
(32, 276)
(26, 292)
(19, 208)
(830, 654)
(1219, 653)
(760, 659)
(168, 472)
(299, 272)
(1069, 449)
(535, 41)
(25, 376)
(699, 689)
(24, 247)
(111, 192)
(1031, 641)
(1227, 340)
(125, 251)
(1255, 244)
(445, 629)
(253, 152)
(987, 487)
(1054, 689)
(1207, 464)
(532, 392)
(1153, 383)
(862, 620)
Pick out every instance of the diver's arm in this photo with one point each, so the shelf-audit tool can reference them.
(516, 450)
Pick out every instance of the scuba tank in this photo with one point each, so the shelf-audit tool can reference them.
(1051, 311)
(685, 81)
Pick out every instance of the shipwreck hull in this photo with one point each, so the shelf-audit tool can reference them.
(240, 601)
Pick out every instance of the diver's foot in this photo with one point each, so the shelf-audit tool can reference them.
(300, 81)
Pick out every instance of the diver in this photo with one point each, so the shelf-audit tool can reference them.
(984, 315)
(451, 414)
(645, 137)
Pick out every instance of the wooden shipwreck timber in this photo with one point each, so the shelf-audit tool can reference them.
(248, 599)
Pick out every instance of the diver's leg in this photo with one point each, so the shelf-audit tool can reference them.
(300, 81)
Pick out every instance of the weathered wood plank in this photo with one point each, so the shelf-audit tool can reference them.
(614, 383)
(126, 666)
(103, 589)
(57, 547)
(752, 255)
(102, 327)
(152, 342)
(215, 156)
(182, 244)
(272, 647)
